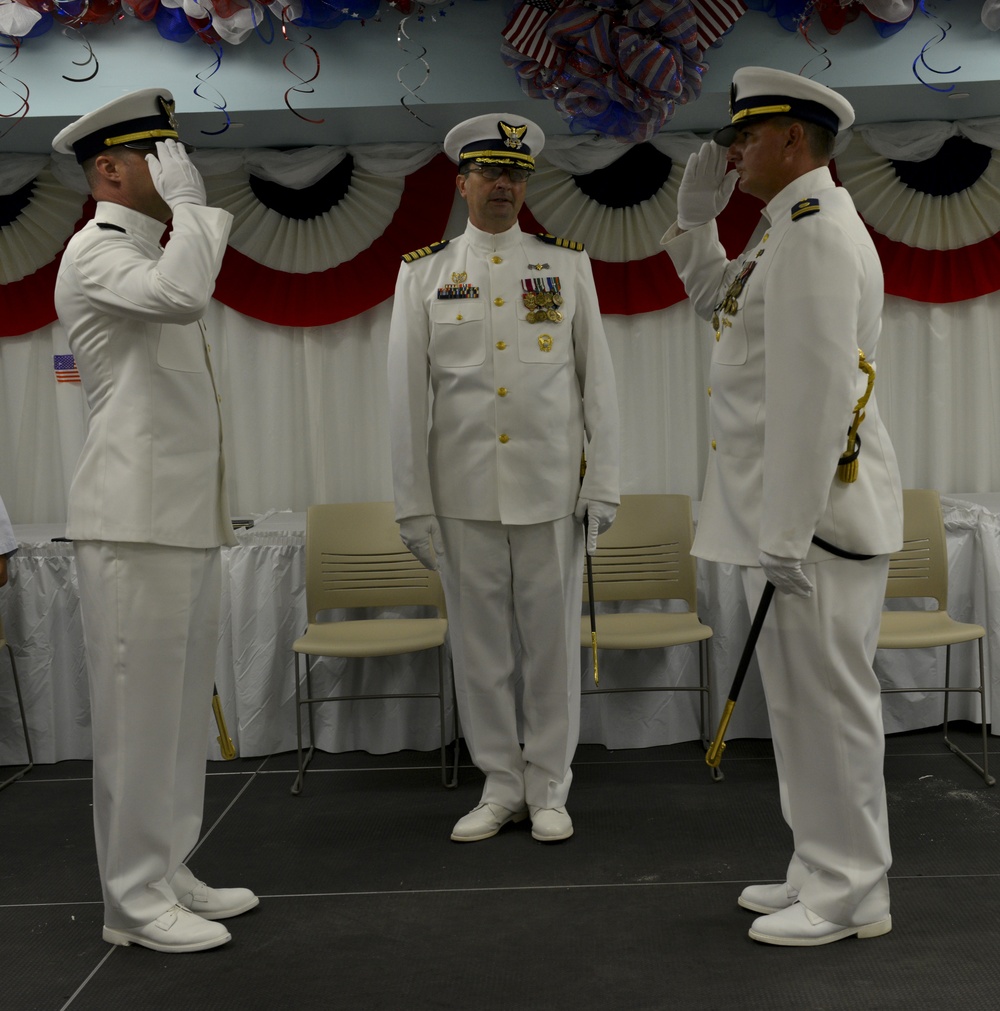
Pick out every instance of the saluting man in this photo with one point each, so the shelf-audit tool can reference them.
(793, 316)
(148, 513)
(500, 379)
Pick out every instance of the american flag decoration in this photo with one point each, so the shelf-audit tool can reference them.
(526, 31)
(65, 369)
(715, 18)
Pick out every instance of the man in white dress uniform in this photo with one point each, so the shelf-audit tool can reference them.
(793, 316)
(500, 379)
(148, 513)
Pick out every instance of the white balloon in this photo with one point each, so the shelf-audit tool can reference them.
(892, 11)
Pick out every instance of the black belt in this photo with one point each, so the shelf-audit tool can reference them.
(839, 552)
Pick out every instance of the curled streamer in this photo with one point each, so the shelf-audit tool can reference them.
(70, 31)
(15, 46)
(400, 35)
(303, 87)
(921, 57)
(203, 77)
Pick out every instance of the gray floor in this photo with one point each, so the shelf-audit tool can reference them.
(367, 906)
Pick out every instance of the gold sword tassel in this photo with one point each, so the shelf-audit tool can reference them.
(847, 466)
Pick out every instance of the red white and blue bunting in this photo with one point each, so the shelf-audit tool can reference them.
(318, 233)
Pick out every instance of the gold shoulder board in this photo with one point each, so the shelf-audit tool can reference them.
(434, 247)
(805, 207)
(552, 240)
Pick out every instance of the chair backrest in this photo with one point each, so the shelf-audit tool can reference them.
(355, 558)
(920, 569)
(646, 553)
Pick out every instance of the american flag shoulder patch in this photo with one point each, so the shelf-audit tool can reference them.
(65, 369)
(810, 205)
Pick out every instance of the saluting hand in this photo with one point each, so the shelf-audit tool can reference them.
(705, 186)
(174, 175)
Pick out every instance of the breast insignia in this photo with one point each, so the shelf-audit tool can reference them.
(810, 205)
(434, 247)
(552, 240)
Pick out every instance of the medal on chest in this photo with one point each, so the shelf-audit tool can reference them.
(542, 298)
(729, 305)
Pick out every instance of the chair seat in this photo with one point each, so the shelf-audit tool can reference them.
(644, 630)
(918, 629)
(372, 637)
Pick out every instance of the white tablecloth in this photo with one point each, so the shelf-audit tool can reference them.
(263, 611)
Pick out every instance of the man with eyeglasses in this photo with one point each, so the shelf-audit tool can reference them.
(500, 379)
(148, 513)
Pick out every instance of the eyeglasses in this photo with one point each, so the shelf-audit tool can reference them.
(492, 173)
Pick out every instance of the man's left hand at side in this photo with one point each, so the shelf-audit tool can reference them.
(786, 574)
(600, 516)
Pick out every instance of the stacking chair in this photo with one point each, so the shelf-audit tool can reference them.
(920, 569)
(646, 555)
(355, 559)
(20, 705)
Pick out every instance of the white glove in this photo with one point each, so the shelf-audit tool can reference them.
(600, 516)
(174, 175)
(705, 186)
(786, 574)
(419, 533)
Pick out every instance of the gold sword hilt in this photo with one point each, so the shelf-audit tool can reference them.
(225, 741)
(713, 757)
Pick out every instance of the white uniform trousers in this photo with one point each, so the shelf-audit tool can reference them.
(823, 700)
(151, 624)
(497, 578)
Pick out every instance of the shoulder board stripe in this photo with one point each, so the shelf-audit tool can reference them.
(552, 240)
(805, 207)
(110, 227)
(434, 247)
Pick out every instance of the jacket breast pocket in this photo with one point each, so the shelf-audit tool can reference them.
(458, 333)
(181, 348)
(732, 347)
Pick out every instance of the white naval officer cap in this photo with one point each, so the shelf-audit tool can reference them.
(759, 93)
(497, 138)
(146, 115)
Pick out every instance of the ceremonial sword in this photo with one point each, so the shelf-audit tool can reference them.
(714, 754)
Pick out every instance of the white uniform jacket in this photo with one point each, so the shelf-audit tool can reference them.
(489, 413)
(151, 468)
(784, 381)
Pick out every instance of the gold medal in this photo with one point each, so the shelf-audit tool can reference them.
(558, 299)
(530, 301)
(554, 315)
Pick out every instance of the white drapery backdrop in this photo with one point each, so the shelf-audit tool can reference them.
(305, 409)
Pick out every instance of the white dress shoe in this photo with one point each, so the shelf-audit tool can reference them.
(484, 821)
(767, 898)
(176, 930)
(218, 903)
(550, 824)
(799, 927)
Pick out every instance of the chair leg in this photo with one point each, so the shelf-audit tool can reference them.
(303, 762)
(24, 723)
(983, 769)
